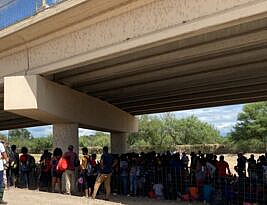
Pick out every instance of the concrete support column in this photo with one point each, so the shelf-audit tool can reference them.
(65, 135)
(119, 142)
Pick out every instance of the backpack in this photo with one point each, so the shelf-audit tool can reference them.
(28, 165)
(94, 168)
(13, 161)
(90, 168)
(62, 165)
(24, 166)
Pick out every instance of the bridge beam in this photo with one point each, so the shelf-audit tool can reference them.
(43, 100)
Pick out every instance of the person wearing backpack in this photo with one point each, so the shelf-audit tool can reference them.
(13, 166)
(84, 173)
(73, 162)
(24, 168)
(45, 175)
(27, 170)
(56, 174)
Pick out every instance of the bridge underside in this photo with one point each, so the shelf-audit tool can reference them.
(222, 65)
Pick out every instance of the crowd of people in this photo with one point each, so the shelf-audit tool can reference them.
(194, 177)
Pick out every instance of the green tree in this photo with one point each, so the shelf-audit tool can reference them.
(20, 137)
(85, 141)
(19, 134)
(166, 131)
(251, 127)
(37, 145)
(194, 131)
(101, 139)
(3, 138)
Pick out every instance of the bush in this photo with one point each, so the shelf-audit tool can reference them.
(251, 145)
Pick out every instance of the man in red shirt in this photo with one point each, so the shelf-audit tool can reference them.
(222, 166)
(73, 161)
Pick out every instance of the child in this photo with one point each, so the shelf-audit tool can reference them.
(158, 189)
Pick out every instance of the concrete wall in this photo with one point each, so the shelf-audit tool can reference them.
(13, 63)
(152, 17)
(121, 24)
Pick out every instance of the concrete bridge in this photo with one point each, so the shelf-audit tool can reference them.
(97, 64)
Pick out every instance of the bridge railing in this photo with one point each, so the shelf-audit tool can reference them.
(13, 11)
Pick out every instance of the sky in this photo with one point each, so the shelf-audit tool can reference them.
(222, 118)
(12, 11)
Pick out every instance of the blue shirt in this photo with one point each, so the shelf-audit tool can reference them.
(107, 163)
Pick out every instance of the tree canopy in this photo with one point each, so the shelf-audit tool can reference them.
(251, 127)
(99, 139)
(19, 134)
(166, 131)
(23, 137)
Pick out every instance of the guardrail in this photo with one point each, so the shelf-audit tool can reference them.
(13, 11)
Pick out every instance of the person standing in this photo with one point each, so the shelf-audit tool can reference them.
(241, 165)
(84, 172)
(252, 168)
(3, 161)
(185, 161)
(133, 178)
(45, 176)
(27, 168)
(94, 172)
(105, 173)
(24, 168)
(222, 167)
(56, 175)
(73, 161)
(124, 174)
(14, 166)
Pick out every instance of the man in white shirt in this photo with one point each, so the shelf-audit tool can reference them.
(3, 160)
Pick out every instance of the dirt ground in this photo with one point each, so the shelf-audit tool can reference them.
(26, 197)
(231, 159)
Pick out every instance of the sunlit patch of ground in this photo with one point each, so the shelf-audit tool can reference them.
(26, 197)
